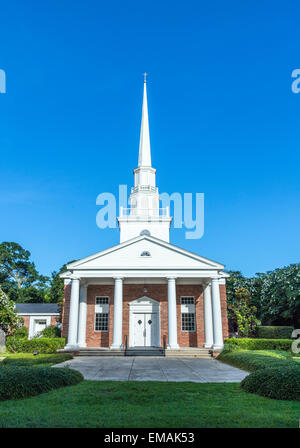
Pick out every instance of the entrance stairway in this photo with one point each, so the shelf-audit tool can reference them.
(192, 352)
(189, 352)
(145, 351)
(100, 352)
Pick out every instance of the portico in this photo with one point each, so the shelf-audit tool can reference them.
(146, 308)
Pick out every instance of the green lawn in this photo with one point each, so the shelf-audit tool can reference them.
(149, 404)
(143, 404)
(27, 359)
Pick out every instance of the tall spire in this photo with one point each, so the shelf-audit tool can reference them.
(144, 150)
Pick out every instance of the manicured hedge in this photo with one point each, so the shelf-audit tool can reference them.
(43, 345)
(255, 360)
(258, 344)
(281, 383)
(272, 332)
(22, 382)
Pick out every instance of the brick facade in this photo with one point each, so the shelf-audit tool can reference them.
(132, 292)
(54, 320)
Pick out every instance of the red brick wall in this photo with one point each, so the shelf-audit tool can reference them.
(224, 311)
(65, 311)
(187, 338)
(99, 338)
(133, 292)
(26, 321)
(54, 320)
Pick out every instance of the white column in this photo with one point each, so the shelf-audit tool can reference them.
(73, 315)
(118, 314)
(172, 314)
(208, 318)
(217, 316)
(82, 316)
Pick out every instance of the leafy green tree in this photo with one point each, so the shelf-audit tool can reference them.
(9, 320)
(243, 314)
(56, 290)
(280, 296)
(19, 277)
(275, 294)
(55, 293)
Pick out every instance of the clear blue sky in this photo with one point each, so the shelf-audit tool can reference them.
(223, 121)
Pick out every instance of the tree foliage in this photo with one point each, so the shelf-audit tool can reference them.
(243, 313)
(19, 277)
(9, 320)
(275, 294)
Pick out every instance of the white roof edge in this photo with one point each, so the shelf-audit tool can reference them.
(77, 263)
(37, 314)
(65, 274)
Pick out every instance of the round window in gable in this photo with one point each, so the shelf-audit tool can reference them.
(145, 232)
(145, 253)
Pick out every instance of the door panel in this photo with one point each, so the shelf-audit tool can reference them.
(39, 326)
(151, 329)
(139, 330)
(146, 329)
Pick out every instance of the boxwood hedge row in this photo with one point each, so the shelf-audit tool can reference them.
(280, 383)
(274, 332)
(43, 345)
(259, 344)
(22, 382)
(274, 373)
(255, 360)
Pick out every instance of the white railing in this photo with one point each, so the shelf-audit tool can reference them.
(144, 212)
(144, 188)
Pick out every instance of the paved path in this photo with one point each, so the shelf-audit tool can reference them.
(146, 368)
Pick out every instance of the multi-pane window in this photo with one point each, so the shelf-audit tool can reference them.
(188, 316)
(101, 322)
(101, 313)
(187, 300)
(188, 321)
(102, 300)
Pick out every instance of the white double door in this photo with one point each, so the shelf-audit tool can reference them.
(146, 331)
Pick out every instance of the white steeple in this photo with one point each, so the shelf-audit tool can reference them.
(144, 150)
(144, 214)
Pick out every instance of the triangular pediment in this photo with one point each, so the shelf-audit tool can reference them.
(145, 252)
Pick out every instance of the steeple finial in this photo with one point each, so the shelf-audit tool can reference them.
(145, 76)
(144, 150)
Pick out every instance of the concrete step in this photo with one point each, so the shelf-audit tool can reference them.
(189, 353)
(99, 352)
(144, 352)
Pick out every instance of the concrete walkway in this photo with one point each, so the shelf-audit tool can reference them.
(198, 370)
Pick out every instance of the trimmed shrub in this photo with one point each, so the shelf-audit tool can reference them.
(281, 383)
(255, 360)
(273, 332)
(51, 332)
(258, 344)
(21, 332)
(22, 382)
(43, 345)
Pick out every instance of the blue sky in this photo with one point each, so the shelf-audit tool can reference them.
(223, 121)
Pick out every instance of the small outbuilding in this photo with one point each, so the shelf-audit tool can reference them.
(38, 316)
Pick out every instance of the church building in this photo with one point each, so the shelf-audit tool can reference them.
(144, 293)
